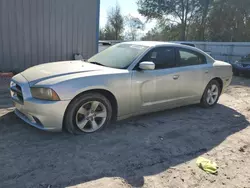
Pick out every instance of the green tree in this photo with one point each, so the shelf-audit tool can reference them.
(180, 12)
(229, 21)
(202, 16)
(115, 23)
(163, 31)
(211, 20)
(109, 33)
(114, 27)
(134, 25)
(102, 34)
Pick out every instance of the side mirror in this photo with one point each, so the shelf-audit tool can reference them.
(147, 65)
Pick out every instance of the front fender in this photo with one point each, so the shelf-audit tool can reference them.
(117, 84)
(68, 89)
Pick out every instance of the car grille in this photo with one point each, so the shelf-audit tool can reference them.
(17, 93)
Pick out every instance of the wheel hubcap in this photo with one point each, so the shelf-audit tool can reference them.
(91, 116)
(212, 94)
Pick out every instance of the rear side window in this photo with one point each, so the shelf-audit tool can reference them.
(163, 57)
(189, 58)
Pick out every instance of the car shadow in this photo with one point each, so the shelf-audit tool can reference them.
(131, 149)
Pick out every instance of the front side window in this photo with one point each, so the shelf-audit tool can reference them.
(162, 57)
(189, 58)
(118, 56)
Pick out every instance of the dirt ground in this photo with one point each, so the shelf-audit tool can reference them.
(157, 150)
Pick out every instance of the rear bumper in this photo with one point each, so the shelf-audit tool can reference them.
(44, 115)
(226, 82)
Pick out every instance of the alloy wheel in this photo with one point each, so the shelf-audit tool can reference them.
(212, 94)
(91, 116)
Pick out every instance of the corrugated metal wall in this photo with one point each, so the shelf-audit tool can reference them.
(40, 31)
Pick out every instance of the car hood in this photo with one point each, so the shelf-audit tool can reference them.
(50, 70)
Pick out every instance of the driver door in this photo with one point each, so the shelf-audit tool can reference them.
(156, 89)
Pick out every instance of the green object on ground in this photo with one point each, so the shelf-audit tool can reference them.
(207, 165)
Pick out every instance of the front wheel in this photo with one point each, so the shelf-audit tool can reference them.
(88, 113)
(211, 94)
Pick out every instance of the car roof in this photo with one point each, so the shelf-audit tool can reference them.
(149, 43)
(157, 43)
(189, 44)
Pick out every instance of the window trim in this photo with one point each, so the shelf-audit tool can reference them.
(190, 51)
(136, 67)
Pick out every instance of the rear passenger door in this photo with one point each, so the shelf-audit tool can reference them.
(193, 69)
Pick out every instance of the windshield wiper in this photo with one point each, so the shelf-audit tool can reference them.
(96, 63)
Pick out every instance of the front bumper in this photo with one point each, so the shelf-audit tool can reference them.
(44, 115)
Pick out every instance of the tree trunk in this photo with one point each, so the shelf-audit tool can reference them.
(202, 32)
(116, 34)
(204, 20)
(183, 31)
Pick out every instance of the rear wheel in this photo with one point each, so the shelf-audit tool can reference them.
(88, 113)
(211, 94)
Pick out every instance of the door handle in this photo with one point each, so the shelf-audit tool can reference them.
(206, 71)
(175, 77)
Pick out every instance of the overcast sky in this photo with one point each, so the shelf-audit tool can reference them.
(127, 7)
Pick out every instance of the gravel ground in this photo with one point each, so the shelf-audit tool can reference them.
(156, 150)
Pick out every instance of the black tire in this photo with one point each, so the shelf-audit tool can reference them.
(204, 102)
(236, 73)
(70, 116)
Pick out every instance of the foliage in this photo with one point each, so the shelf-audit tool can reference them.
(178, 11)
(134, 24)
(115, 25)
(210, 20)
(230, 21)
(164, 31)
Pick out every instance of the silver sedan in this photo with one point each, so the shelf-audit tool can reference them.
(124, 80)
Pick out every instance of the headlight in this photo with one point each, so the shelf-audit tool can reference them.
(44, 94)
(238, 63)
(12, 84)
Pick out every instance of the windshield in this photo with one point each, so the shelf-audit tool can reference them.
(118, 56)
